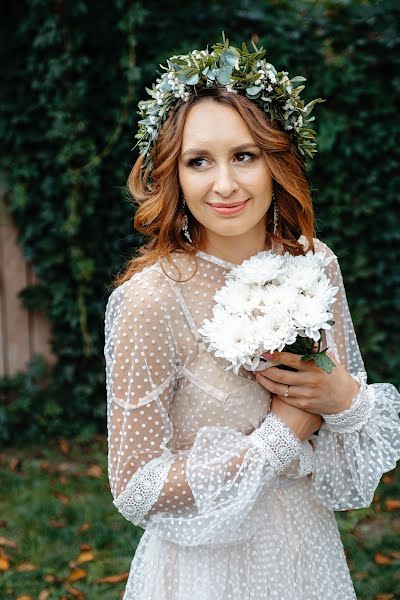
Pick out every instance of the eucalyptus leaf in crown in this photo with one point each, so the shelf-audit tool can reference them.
(239, 70)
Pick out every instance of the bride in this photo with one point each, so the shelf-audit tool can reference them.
(234, 477)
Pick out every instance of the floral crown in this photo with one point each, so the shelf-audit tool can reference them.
(239, 71)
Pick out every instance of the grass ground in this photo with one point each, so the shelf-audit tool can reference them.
(61, 538)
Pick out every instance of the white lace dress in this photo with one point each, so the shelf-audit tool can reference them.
(234, 505)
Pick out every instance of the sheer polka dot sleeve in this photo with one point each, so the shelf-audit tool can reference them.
(355, 447)
(206, 492)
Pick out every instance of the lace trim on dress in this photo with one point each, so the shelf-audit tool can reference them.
(354, 417)
(276, 441)
(143, 490)
(306, 460)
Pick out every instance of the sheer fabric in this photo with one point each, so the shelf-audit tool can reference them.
(233, 503)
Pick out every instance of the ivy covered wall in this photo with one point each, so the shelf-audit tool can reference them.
(73, 73)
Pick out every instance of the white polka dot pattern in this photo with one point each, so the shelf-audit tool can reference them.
(218, 482)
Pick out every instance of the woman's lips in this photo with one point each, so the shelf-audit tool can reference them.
(229, 209)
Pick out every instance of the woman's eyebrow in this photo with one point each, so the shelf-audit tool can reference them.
(240, 148)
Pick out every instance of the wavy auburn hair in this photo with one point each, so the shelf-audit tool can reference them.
(160, 213)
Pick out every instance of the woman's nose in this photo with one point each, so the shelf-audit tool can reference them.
(225, 182)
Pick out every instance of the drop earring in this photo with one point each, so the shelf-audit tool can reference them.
(276, 214)
(185, 223)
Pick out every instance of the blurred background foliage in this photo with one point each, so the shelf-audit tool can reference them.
(73, 73)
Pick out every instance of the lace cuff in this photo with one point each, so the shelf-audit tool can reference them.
(142, 490)
(354, 417)
(306, 459)
(277, 442)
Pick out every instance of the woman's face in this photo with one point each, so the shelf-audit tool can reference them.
(220, 165)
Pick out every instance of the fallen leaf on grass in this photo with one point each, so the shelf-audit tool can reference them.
(24, 597)
(13, 463)
(85, 547)
(82, 558)
(392, 504)
(67, 467)
(4, 563)
(76, 574)
(395, 554)
(46, 467)
(44, 595)
(52, 578)
(76, 593)
(85, 557)
(113, 578)
(381, 559)
(59, 523)
(95, 471)
(388, 479)
(62, 498)
(84, 527)
(384, 597)
(25, 567)
(7, 542)
(63, 445)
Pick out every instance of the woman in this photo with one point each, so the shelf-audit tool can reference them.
(226, 473)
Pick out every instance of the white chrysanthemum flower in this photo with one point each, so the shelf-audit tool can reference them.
(261, 269)
(276, 329)
(267, 302)
(237, 297)
(310, 317)
(304, 272)
(323, 291)
(271, 296)
(302, 278)
(230, 336)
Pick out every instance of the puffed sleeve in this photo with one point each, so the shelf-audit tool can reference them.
(207, 493)
(354, 447)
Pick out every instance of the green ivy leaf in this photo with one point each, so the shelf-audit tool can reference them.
(321, 359)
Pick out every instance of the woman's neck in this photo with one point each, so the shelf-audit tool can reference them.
(236, 249)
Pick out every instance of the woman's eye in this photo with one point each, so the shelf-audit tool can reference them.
(245, 154)
(194, 161)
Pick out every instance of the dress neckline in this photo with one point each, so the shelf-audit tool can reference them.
(215, 259)
(276, 249)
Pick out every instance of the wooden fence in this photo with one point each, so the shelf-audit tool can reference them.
(22, 333)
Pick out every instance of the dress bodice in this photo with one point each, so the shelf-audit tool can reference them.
(207, 392)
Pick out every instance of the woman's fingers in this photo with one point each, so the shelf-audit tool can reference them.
(288, 377)
(280, 389)
(290, 360)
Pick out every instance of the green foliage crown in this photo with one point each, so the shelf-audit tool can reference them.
(239, 71)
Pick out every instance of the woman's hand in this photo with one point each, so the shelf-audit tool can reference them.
(311, 388)
(301, 422)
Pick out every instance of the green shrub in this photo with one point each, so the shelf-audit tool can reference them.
(72, 76)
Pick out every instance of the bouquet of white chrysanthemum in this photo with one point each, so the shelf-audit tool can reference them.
(272, 302)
